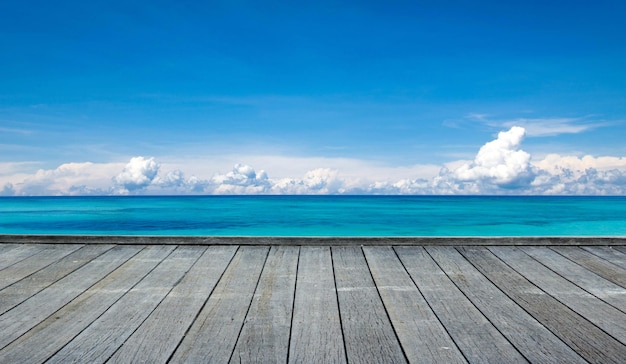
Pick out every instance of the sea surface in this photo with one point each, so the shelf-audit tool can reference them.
(315, 216)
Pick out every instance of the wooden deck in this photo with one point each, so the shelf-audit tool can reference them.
(129, 303)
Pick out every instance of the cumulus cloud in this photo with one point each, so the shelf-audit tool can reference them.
(500, 166)
(137, 174)
(318, 181)
(500, 162)
(243, 179)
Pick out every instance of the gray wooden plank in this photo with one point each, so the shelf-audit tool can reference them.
(477, 338)
(105, 335)
(48, 337)
(594, 263)
(530, 337)
(593, 344)
(607, 291)
(157, 337)
(264, 337)
(311, 240)
(212, 337)
(17, 253)
(27, 287)
(31, 312)
(621, 248)
(316, 335)
(421, 334)
(367, 331)
(34, 263)
(609, 254)
(605, 316)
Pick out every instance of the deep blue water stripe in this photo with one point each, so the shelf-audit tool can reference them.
(316, 215)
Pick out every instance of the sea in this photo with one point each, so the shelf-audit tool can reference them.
(345, 216)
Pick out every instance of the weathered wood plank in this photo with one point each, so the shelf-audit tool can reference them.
(422, 336)
(31, 312)
(594, 263)
(530, 337)
(17, 253)
(477, 338)
(156, 339)
(35, 262)
(605, 316)
(106, 334)
(609, 254)
(48, 337)
(367, 331)
(316, 335)
(27, 287)
(264, 337)
(607, 291)
(586, 339)
(316, 241)
(212, 337)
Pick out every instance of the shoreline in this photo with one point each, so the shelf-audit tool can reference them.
(314, 240)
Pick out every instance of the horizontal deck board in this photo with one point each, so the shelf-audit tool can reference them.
(134, 303)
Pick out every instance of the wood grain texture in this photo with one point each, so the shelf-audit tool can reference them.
(529, 336)
(31, 312)
(422, 336)
(610, 254)
(603, 315)
(14, 253)
(30, 285)
(212, 337)
(594, 263)
(582, 336)
(316, 335)
(607, 291)
(264, 337)
(49, 336)
(159, 335)
(477, 338)
(34, 263)
(106, 334)
(368, 333)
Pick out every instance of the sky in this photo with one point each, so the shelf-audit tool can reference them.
(326, 97)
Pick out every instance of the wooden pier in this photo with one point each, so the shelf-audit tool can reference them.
(311, 301)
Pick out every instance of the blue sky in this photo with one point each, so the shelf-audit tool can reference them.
(358, 93)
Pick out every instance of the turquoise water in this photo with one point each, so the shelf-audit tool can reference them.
(315, 216)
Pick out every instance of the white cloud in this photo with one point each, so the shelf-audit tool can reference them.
(541, 127)
(500, 162)
(243, 179)
(137, 174)
(67, 179)
(499, 167)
